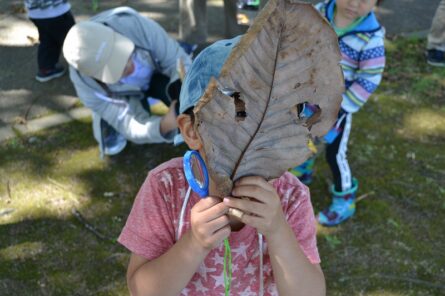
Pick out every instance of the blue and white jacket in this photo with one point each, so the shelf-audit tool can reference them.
(363, 57)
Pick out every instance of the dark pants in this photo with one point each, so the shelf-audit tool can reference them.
(336, 156)
(52, 32)
(159, 90)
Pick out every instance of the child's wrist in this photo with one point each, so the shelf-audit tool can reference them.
(195, 246)
(279, 234)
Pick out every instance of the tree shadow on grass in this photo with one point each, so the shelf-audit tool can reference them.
(39, 154)
(58, 257)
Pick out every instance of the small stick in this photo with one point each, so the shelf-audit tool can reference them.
(57, 184)
(8, 188)
(363, 196)
(90, 227)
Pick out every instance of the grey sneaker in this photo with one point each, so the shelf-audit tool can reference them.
(47, 75)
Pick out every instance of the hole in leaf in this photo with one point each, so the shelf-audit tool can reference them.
(240, 107)
(309, 112)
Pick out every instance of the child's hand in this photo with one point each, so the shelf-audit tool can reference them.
(263, 210)
(210, 225)
(168, 121)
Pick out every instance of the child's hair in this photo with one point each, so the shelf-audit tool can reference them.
(190, 113)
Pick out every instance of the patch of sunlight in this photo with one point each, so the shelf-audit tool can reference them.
(53, 192)
(35, 200)
(156, 16)
(82, 161)
(22, 251)
(16, 30)
(19, 96)
(215, 3)
(424, 122)
(324, 231)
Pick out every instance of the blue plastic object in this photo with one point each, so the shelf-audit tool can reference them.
(197, 176)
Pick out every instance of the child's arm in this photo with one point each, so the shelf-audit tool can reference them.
(367, 77)
(170, 273)
(293, 273)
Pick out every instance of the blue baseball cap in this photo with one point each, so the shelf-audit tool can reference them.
(206, 65)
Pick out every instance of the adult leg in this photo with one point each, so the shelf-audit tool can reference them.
(158, 88)
(232, 28)
(436, 37)
(193, 21)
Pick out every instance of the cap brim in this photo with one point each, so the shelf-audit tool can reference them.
(114, 67)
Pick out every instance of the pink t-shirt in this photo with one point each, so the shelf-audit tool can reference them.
(152, 228)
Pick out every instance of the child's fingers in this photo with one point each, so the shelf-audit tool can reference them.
(221, 234)
(253, 191)
(245, 205)
(254, 180)
(218, 223)
(214, 212)
(206, 203)
(252, 221)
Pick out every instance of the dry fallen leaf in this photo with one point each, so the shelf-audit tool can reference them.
(288, 57)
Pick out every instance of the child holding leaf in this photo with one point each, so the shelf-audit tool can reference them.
(164, 264)
(240, 109)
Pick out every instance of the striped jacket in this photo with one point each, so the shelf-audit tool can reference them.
(363, 57)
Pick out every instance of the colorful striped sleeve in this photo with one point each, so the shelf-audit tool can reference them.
(368, 75)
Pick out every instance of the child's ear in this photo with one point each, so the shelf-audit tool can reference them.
(188, 132)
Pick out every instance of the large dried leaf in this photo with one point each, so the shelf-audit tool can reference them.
(289, 56)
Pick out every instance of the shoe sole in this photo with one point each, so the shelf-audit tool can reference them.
(436, 64)
(48, 78)
(333, 225)
(115, 150)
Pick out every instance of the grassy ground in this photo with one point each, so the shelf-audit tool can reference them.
(61, 208)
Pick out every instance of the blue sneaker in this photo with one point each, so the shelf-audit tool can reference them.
(304, 171)
(114, 142)
(47, 75)
(342, 207)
